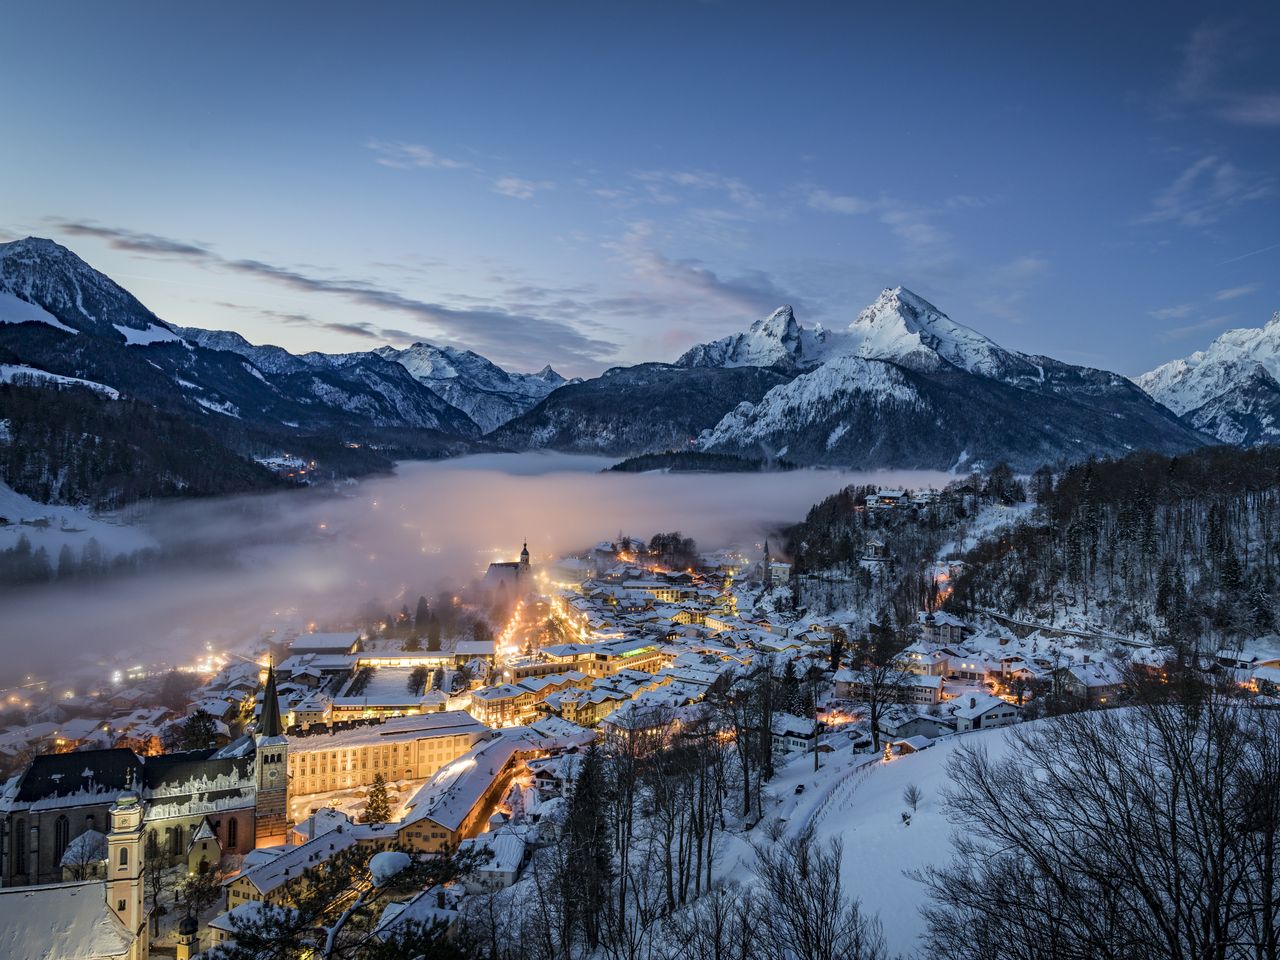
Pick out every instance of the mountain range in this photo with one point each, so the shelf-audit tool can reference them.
(1230, 390)
(902, 385)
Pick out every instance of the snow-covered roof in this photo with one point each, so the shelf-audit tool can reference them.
(456, 787)
(89, 847)
(501, 851)
(291, 863)
(60, 921)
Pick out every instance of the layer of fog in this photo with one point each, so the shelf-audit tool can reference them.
(252, 564)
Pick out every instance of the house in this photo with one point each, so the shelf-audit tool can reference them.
(453, 804)
(982, 711)
(1096, 682)
(792, 734)
(501, 854)
(911, 687)
(913, 723)
(942, 628)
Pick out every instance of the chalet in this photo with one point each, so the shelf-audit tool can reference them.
(982, 711)
(1095, 682)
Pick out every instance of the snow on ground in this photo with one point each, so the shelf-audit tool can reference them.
(989, 520)
(16, 310)
(11, 371)
(51, 526)
(865, 813)
(153, 334)
(226, 407)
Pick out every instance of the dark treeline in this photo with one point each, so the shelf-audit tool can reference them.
(1180, 548)
(74, 446)
(695, 461)
(831, 547)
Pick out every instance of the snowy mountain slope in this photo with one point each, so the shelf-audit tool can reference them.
(858, 413)
(777, 340)
(1231, 389)
(899, 326)
(905, 386)
(487, 393)
(648, 408)
(42, 272)
(67, 321)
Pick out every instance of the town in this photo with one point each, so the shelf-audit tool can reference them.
(461, 732)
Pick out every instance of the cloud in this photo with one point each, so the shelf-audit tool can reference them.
(660, 182)
(1211, 323)
(837, 203)
(1176, 312)
(1232, 293)
(909, 223)
(494, 331)
(683, 284)
(1208, 77)
(1205, 192)
(520, 188)
(1020, 270)
(406, 156)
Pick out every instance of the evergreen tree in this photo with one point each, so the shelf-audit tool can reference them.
(377, 808)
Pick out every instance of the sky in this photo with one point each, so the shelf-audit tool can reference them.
(589, 184)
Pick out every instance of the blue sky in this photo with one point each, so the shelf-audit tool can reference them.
(596, 183)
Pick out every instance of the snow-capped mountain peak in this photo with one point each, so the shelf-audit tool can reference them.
(903, 327)
(1228, 389)
(39, 271)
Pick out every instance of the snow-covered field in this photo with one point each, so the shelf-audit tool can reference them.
(857, 798)
(12, 371)
(51, 527)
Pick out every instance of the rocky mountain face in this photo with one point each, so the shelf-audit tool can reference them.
(647, 408)
(904, 385)
(354, 411)
(1230, 390)
(488, 394)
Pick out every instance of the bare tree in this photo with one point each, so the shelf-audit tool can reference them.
(912, 796)
(805, 911)
(1137, 834)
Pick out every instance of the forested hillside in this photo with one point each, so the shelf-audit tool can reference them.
(71, 445)
(1183, 549)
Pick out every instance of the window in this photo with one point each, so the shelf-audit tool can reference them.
(231, 833)
(124, 857)
(61, 836)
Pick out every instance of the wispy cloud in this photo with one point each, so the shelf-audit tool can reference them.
(1176, 312)
(1233, 293)
(520, 188)
(505, 335)
(662, 185)
(1207, 77)
(1209, 323)
(913, 224)
(1204, 192)
(406, 156)
(688, 284)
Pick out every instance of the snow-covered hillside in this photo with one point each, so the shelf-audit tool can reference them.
(41, 272)
(1231, 389)
(905, 385)
(483, 390)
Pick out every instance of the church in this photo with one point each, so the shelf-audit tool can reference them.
(187, 808)
(237, 793)
(514, 578)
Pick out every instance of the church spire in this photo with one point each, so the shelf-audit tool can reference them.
(270, 725)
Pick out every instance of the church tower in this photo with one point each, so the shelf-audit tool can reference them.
(524, 559)
(271, 808)
(124, 867)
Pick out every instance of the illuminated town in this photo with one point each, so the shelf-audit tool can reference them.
(408, 739)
